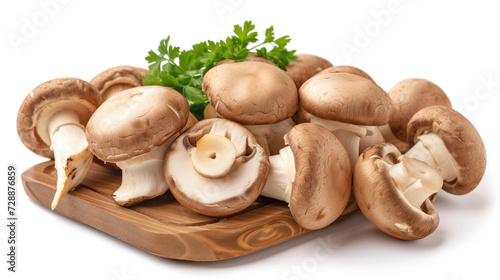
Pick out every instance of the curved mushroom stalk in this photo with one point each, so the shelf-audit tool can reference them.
(348, 134)
(142, 176)
(431, 149)
(281, 176)
(71, 152)
(270, 136)
(415, 179)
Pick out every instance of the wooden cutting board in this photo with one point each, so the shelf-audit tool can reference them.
(162, 226)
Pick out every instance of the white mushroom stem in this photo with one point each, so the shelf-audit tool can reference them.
(270, 136)
(348, 134)
(71, 153)
(431, 149)
(281, 176)
(142, 176)
(415, 179)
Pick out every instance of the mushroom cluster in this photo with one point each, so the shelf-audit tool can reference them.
(314, 136)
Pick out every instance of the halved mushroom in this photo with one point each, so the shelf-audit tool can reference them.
(345, 104)
(134, 129)
(345, 69)
(51, 123)
(216, 168)
(116, 79)
(306, 66)
(408, 97)
(449, 143)
(260, 96)
(392, 192)
(312, 174)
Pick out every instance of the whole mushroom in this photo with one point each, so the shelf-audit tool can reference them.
(216, 168)
(258, 95)
(51, 123)
(134, 129)
(312, 174)
(348, 105)
(449, 143)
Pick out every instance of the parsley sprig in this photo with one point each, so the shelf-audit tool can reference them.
(183, 70)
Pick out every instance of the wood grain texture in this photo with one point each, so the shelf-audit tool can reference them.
(162, 226)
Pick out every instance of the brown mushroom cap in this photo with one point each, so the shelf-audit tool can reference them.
(346, 69)
(136, 121)
(47, 99)
(382, 203)
(251, 57)
(117, 79)
(306, 66)
(345, 98)
(408, 97)
(217, 196)
(251, 92)
(322, 184)
(461, 139)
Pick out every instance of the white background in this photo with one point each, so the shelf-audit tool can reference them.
(452, 43)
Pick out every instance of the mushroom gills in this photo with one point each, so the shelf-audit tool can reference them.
(142, 176)
(348, 134)
(71, 153)
(431, 149)
(415, 179)
(281, 176)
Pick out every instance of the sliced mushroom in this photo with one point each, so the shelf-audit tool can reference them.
(346, 69)
(116, 79)
(306, 66)
(134, 129)
(216, 168)
(257, 95)
(449, 143)
(312, 174)
(392, 192)
(408, 97)
(51, 123)
(347, 105)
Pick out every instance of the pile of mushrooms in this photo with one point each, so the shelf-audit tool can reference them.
(314, 136)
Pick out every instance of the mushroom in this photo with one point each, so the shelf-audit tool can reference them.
(449, 143)
(393, 190)
(51, 123)
(260, 96)
(216, 168)
(116, 79)
(306, 66)
(345, 69)
(312, 174)
(134, 129)
(347, 105)
(408, 97)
